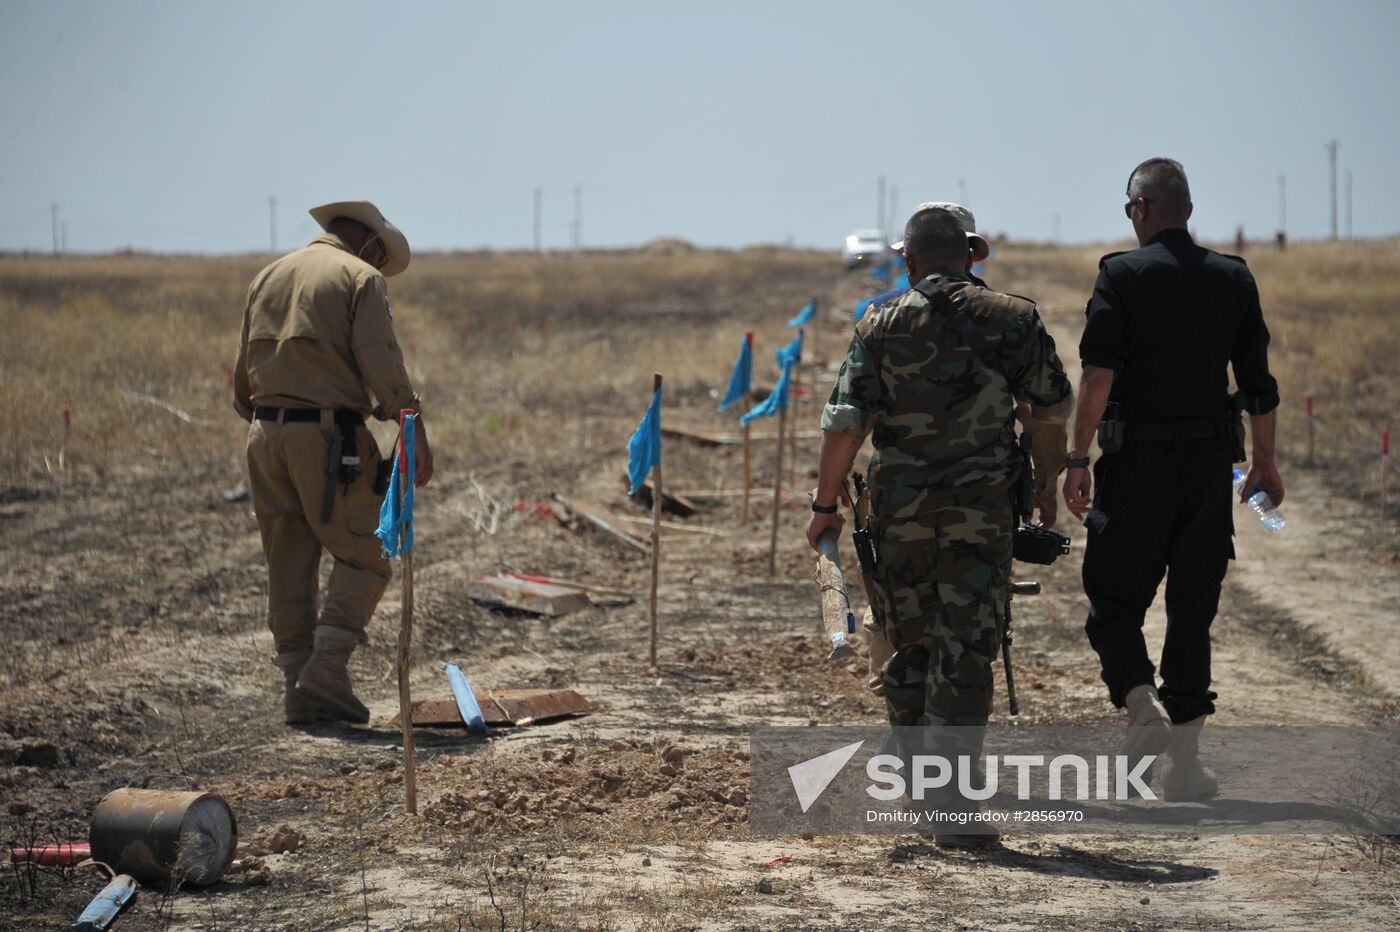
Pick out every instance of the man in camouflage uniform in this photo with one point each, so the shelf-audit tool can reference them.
(945, 458)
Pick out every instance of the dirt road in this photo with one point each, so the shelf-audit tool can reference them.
(136, 651)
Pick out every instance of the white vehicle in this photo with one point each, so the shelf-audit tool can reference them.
(864, 247)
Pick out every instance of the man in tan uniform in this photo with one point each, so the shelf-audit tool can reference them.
(316, 355)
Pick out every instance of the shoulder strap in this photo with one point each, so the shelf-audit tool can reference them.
(959, 323)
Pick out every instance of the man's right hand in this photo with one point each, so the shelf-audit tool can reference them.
(1079, 486)
(1263, 476)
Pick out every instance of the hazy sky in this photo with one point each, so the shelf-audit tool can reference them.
(166, 125)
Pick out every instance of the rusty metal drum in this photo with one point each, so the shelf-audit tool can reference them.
(165, 836)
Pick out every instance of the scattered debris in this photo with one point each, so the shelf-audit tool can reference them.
(249, 872)
(104, 907)
(671, 502)
(238, 493)
(549, 510)
(52, 855)
(28, 752)
(604, 520)
(538, 598)
(519, 707)
(765, 886)
(601, 596)
(781, 859)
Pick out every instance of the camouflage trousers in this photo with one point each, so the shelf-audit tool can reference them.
(943, 580)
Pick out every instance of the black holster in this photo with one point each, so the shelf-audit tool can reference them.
(1239, 401)
(1111, 429)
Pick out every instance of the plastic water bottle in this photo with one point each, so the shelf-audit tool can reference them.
(1263, 506)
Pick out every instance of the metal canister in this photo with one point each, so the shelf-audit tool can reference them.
(160, 836)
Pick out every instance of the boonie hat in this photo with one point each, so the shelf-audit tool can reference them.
(981, 249)
(395, 243)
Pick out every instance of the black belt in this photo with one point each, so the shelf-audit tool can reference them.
(1158, 431)
(303, 415)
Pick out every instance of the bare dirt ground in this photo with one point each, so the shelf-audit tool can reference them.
(132, 591)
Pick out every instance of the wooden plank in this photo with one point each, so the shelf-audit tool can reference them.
(603, 520)
(528, 595)
(500, 707)
(671, 502)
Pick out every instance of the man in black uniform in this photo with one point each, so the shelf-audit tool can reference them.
(1164, 323)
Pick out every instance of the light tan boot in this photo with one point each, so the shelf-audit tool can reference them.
(296, 708)
(324, 678)
(1149, 725)
(1184, 777)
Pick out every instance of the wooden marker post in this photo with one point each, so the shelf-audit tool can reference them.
(793, 393)
(1307, 403)
(748, 468)
(777, 494)
(63, 447)
(410, 771)
(1385, 469)
(655, 531)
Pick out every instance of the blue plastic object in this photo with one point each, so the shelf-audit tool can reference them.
(466, 699)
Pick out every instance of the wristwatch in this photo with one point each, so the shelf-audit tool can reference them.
(1076, 462)
(823, 509)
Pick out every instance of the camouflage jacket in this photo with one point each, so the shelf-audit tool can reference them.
(942, 419)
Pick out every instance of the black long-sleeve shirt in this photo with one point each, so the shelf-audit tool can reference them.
(1168, 318)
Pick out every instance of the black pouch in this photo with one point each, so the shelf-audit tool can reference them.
(1038, 545)
(381, 476)
(1111, 429)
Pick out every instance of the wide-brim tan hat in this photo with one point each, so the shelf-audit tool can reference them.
(395, 243)
(981, 249)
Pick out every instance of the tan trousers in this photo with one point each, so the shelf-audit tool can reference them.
(287, 472)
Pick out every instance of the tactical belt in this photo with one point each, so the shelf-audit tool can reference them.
(1160, 431)
(303, 415)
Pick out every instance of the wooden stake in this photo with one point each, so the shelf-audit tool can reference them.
(793, 395)
(1385, 469)
(748, 468)
(1308, 404)
(777, 495)
(655, 534)
(410, 770)
(67, 430)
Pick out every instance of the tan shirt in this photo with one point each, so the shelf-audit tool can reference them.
(317, 333)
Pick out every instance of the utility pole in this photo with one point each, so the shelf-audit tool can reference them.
(54, 208)
(578, 217)
(1332, 183)
(962, 194)
(539, 199)
(63, 237)
(880, 208)
(272, 223)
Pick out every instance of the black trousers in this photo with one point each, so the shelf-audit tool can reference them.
(1168, 510)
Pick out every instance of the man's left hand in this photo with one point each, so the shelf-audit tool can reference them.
(1047, 507)
(820, 524)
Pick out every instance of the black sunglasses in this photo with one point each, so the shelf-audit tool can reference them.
(1128, 207)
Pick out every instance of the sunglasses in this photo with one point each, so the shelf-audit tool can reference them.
(1128, 207)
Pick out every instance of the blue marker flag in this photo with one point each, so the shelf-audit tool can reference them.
(790, 352)
(395, 531)
(877, 299)
(805, 316)
(742, 376)
(644, 449)
(777, 401)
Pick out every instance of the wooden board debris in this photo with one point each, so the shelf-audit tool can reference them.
(528, 596)
(603, 520)
(671, 502)
(714, 439)
(502, 707)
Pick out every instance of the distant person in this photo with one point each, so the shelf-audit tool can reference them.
(316, 355)
(1164, 323)
(935, 376)
(1049, 439)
